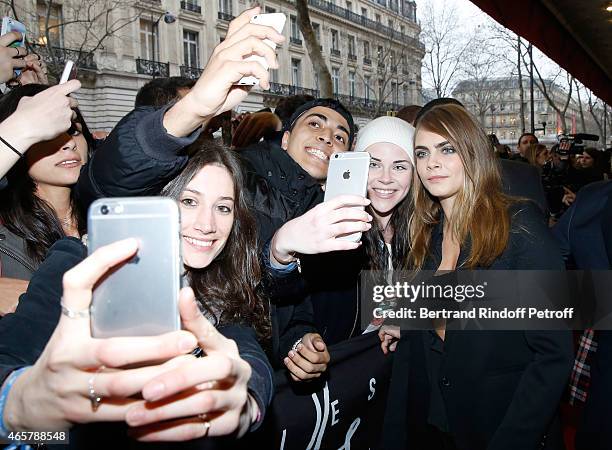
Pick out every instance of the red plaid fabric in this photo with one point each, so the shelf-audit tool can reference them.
(580, 379)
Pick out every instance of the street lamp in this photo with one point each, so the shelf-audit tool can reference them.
(543, 117)
(168, 18)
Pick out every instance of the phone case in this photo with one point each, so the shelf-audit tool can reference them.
(348, 174)
(69, 72)
(8, 25)
(140, 296)
(274, 20)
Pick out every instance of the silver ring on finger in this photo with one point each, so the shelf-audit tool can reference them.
(205, 424)
(94, 398)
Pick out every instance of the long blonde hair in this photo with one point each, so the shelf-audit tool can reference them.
(480, 212)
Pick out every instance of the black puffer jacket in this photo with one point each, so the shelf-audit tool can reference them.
(280, 189)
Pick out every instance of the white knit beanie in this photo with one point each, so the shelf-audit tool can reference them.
(392, 130)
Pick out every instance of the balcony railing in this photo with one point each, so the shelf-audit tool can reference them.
(367, 61)
(191, 72)
(352, 102)
(287, 89)
(190, 6)
(59, 55)
(358, 19)
(335, 52)
(295, 41)
(352, 57)
(153, 68)
(225, 16)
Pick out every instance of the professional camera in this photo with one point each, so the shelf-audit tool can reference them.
(573, 144)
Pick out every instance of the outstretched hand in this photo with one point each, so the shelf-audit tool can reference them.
(216, 91)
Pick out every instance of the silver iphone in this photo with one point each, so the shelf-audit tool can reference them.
(348, 174)
(140, 296)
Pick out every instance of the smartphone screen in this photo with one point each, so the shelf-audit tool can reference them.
(140, 296)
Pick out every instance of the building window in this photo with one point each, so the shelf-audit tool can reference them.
(394, 93)
(336, 80)
(391, 24)
(317, 32)
(366, 49)
(296, 72)
(191, 49)
(351, 45)
(378, 19)
(394, 5)
(352, 92)
(334, 40)
(349, 6)
(402, 29)
(366, 87)
(295, 31)
(225, 6)
(55, 29)
(274, 75)
(270, 10)
(364, 12)
(149, 40)
(406, 101)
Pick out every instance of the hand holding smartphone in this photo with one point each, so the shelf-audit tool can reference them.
(274, 20)
(8, 25)
(348, 174)
(138, 297)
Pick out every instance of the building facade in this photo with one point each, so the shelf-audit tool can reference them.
(497, 105)
(371, 48)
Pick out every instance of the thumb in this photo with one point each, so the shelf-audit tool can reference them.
(209, 339)
(318, 344)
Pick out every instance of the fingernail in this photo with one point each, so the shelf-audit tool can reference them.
(154, 391)
(187, 344)
(370, 217)
(299, 347)
(135, 417)
(286, 360)
(291, 354)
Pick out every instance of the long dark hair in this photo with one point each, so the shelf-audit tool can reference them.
(374, 242)
(228, 288)
(22, 212)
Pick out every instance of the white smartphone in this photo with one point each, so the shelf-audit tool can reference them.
(140, 296)
(69, 73)
(274, 20)
(348, 174)
(8, 25)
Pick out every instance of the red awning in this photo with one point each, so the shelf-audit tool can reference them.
(536, 23)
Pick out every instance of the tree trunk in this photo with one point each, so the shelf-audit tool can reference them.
(314, 50)
(520, 81)
(584, 130)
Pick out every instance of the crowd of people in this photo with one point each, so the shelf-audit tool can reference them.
(271, 286)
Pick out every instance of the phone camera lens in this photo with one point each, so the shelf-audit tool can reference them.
(335, 156)
(104, 209)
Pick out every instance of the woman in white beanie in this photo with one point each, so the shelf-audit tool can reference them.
(389, 141)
